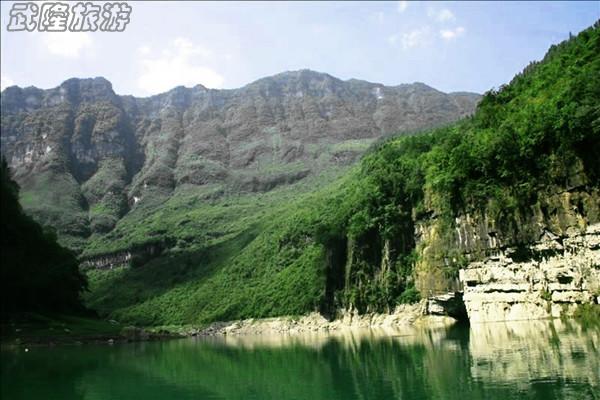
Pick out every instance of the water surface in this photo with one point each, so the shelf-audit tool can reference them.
(530, 360)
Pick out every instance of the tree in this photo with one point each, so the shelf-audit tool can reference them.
(36, 273)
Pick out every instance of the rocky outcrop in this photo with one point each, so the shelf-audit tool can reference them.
(448, 304)
(128, 258)
(108, 261)
(536, 262)
(402, 316)
(555, 275)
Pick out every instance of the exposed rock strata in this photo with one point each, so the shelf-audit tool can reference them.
(530, 263)
(108, 261)
(123, 258)
(561, 273)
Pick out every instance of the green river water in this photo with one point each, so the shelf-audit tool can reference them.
(529, 360)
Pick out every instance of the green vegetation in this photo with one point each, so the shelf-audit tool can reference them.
(534, 136)
(102, 191)
(588, 315)
(351, 244)
(56, 328)
(54, 199)
(546, 295)
(37, 274)
(235, 271)
(192, 217)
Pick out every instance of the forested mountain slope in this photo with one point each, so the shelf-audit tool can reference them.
(402, 223)
(525, 163)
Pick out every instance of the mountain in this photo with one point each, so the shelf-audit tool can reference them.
(504, 205)
(246, 203)
(89, 160)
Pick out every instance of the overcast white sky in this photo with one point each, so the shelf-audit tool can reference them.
(451, 46)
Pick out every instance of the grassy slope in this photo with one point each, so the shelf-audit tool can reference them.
(275, 253)
(224, 263)
(196, 216)
(54, 199)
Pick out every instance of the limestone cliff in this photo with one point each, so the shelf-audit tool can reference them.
(540, 263)
(561, 273)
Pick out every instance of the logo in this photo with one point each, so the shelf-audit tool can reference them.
(61, 17)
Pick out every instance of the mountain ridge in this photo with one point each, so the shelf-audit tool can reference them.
(287, 73)
(100, 153)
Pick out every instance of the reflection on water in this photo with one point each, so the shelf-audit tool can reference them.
(523, 353)
(533, 360)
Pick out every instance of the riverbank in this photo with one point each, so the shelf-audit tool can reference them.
(50, 330)
(39, 330)
(403, 315)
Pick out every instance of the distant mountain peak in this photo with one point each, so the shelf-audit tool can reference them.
(102, 87)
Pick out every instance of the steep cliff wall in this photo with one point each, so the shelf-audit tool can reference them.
(560, 273)
(538, 263)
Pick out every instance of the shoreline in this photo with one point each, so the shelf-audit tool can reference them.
(402, 316)
(73, 331)
(37, 330)
(110, 333)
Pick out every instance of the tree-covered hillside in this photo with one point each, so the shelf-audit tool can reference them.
(37, 274)
(354, 243)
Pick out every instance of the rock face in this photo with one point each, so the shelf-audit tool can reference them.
(85, 156)
(449, 304)
(108, 261)
(126, 258)
(538, 263)
(562, 273)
